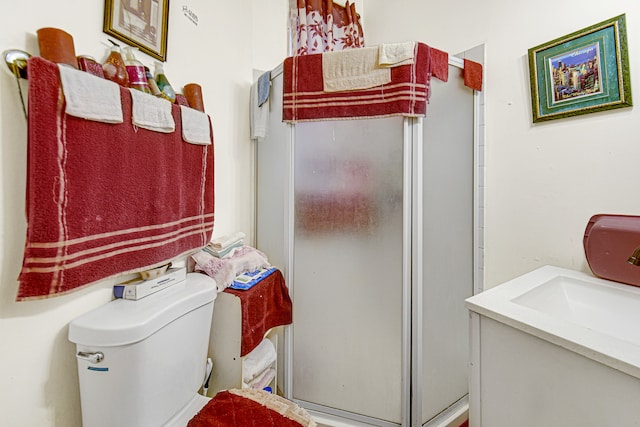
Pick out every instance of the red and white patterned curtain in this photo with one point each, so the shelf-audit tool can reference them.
(323, 26)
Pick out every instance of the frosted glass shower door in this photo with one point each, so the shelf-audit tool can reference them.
(446, 155)
(348, 266)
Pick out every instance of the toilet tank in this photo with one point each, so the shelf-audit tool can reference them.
(140, 362)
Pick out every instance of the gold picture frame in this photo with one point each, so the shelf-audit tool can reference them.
(140, 23)
(583, 72)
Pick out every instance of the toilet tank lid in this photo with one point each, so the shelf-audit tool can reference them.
(122, 322)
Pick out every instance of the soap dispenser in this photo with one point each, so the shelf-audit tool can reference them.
(155, 91)
(135, 70)
(166, 91)
(114, 68)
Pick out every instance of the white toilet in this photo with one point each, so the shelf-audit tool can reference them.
(141, 363)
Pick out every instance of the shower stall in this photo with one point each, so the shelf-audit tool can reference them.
(374, 223)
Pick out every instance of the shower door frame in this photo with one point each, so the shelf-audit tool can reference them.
(457, 413)
(411, 290)
(406, 354)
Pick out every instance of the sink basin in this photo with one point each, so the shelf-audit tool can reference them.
(597, 306)
(591, 316)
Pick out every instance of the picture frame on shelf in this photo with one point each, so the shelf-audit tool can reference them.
(580, 73)
(139, 23)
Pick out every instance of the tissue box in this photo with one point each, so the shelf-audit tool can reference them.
(137, 288)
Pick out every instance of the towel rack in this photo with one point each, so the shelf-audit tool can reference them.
(16, 61)
(456, 62)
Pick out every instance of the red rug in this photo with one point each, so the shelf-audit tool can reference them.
(250, 408)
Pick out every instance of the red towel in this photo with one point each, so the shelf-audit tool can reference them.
(440, 67)
(406, 95)
(231, 409)
(106, 199)
(472, 75)
(264, 306)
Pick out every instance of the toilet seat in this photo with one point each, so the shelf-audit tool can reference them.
(181, 419)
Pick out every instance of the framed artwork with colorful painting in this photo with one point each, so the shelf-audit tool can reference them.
(583, 72)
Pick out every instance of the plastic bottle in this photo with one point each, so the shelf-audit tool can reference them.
(135, 70)
(166, 90)
(152, 83)
(114, 68)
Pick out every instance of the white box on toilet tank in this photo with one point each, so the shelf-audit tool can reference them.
(154, 354)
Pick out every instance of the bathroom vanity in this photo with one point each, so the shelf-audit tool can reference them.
(555, 347)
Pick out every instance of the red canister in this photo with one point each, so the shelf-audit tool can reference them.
(611, 245)
(56, 45)
(193, 93)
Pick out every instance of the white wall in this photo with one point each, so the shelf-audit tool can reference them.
(543, 181)
(38, 379)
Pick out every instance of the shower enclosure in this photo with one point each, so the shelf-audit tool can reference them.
(372, 222)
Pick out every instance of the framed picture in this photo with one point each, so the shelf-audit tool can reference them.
(139, 23)
(583, 72)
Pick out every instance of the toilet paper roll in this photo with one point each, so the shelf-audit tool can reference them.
(193, 93)
(56, 46)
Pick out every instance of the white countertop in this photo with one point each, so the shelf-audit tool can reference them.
(596, 318)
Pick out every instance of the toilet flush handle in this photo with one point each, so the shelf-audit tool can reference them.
(93, 357)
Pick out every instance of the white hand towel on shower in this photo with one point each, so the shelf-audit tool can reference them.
(258, 114)
(353, 69)
(396, 54)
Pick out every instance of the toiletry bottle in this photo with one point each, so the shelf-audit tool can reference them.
(135, 70)
(163, 84)
(114, 68)
(153, 87)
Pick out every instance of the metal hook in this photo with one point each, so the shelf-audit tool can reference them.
(16, 60)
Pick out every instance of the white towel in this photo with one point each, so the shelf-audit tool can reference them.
(90, 97)
(258, 115)
(227, 240)
(395, 54)
(262, 380)
(195, 126)
(226, 252)
(225, 270)
(353, 69)
(260, 358)
(151, 113)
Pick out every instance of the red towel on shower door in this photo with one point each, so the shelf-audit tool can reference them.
(472, 75)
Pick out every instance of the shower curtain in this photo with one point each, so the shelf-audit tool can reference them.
(323, 26)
